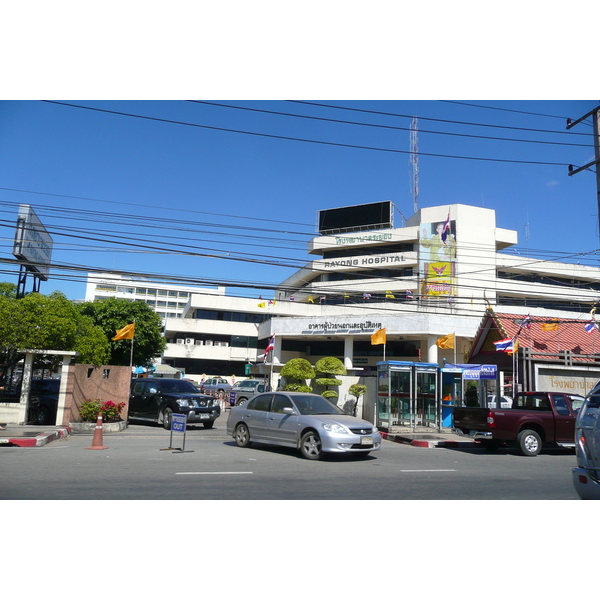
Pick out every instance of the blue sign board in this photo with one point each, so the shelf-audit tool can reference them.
(178, 422)
(473, 371)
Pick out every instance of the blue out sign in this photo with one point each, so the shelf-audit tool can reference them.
(178, 422)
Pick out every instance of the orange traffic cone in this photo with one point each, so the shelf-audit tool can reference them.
(97, 441)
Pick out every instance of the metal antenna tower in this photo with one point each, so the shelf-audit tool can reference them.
(414, 162)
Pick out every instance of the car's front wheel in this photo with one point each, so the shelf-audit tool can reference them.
(167, 418)
(242, 436)
(310, 446)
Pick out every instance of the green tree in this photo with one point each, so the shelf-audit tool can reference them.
(112, 314)
(357, 390)
(296, 371)
(8, 289)
(329, 366)
(39, 322)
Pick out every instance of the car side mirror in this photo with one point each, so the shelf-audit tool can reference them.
(152, 391)
(288, 410)
(261, 388)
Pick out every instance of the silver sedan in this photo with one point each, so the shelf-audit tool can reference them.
(298, 420)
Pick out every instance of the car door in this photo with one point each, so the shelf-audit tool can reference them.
(255, 416)
(282, 428)
(564, 420)
(135, 399)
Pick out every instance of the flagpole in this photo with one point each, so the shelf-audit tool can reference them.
(454, 347)
(131, 354)
(271, 371)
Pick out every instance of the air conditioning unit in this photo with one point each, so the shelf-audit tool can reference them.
(208, 343)
(180, 341)
(199, 342)
(189, 341)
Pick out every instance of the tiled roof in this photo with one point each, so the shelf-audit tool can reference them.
(570, 335)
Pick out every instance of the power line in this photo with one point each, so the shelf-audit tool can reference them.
(512, 110)
(391, 127)
(377, 112)
(305, 140)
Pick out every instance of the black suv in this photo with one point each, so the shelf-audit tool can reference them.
(157, 400)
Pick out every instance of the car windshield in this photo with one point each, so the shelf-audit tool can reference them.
(177, 386)
(315, 405)
(248, 383)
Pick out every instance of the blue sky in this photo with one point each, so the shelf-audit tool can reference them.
(125, 192)
(169, 181)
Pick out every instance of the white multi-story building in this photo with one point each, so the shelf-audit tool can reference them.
(430, 278)
(168, 300)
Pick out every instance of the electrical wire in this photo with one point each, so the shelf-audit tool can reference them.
(390, 127)
(305, 140)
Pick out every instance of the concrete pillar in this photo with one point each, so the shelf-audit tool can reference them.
(25, 387)
(62, 394)
(348, 351)
(277, 350)
(432, 349)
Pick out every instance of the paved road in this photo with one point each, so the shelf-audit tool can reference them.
(137, 466)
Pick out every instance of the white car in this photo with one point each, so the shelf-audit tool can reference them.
(505, 401)
(586, 475)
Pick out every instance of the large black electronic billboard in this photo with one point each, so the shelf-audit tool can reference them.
(377, 215)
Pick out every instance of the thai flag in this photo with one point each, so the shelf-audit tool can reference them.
(590, 327)
(269, 348)
(366, 296)
(506, 345)
(409, 295)
(446, 229)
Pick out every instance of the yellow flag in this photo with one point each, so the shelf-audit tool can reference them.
(310, 299)
(389, 295)
(378, 337)
(515, 348)
(262, 305)
(446, 342)
(126, 333)
(550, 326)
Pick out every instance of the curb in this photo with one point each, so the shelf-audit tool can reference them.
(39, 440)
(399, 439)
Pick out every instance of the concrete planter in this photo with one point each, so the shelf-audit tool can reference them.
(88, 428)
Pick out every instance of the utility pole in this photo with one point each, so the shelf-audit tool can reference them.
(595, 114)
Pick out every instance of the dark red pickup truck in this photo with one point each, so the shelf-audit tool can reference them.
(535, 418)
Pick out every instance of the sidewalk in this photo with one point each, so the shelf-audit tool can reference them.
(429, 438)
(31, 436)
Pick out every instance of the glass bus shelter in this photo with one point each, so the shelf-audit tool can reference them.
(415, 394)
(408, 394)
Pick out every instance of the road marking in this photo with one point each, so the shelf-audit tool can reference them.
(427, 470)
(217, 473)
